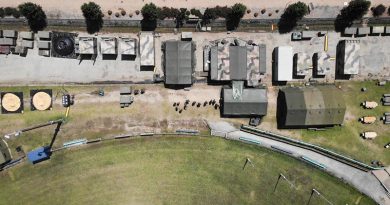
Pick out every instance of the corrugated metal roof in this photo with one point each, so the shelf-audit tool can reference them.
(311, 106)
(238, 63)
(253, 102)
(178, 62)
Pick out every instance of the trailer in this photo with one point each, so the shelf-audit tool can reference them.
(369, 104)
(368, 119)
(369, 135)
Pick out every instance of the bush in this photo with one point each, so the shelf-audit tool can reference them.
(197, 13)
(93, 17)
(355, 10)
(36, 17)
(256, 14)
(131, 15)
(16, 14)
(8, 11)
(117, 14)
(263, 11)
(109, 12)
(292, 14)
(378, 10)
(2, 13)
(123, 12)
(248, 11)
(137, 12)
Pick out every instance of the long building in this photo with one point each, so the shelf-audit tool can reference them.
(283, 64)
(310, 107)
(244, 102)
(178, 62)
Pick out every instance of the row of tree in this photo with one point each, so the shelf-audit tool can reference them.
(93, 15)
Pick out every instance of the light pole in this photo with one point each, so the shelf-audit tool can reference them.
(246, 162)
(318, 194)
(283, 177)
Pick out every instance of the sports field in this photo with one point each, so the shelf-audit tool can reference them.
(170, 170)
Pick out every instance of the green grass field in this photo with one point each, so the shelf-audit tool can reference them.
(170, 170)
(346, 139)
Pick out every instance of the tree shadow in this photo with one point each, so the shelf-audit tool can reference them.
(148, 25)
(286, 23)
(94, 26)
(341, 22)
(38, 22)
(232, 22)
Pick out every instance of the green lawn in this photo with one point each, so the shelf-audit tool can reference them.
(170, 170)
(346, 139)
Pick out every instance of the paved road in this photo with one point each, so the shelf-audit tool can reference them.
(365, 182)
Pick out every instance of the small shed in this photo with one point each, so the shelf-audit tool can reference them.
(27, 35)
(7, 41)
(350, 31)
(387, 30)
(43, 44)
(27, 44)
(377, 30)
(125, 90)
(186, 36)
(362, 31)
(44, 35)
(87, 45)
(108, 45)
(10, 34)
(127, 46)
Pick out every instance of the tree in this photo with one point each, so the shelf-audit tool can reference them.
(196, 12)
(150, 13)
(378, 10)
(2, 13)
(93, 17)
(209, 14)
(35, 16)
(355, 10)
(9, 11)
(238, 10)
(292, 14)
(234, 16)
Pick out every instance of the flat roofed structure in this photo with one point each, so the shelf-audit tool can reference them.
(44, 35)
(283, 70)
(27, 44)
(377, 29)
(302, 64)
(186, 35)
(322, 63)
(350, 31)
(10, 34)
(7, 41)
(235, 62)
(127, 46)
(147, 49)
(108, 45)
(348, 57)
(87, 45)
(250, 102)
(5, 155)
(310, 106)
(44, 44)
(363, 31)
(26, 35)
(387, 30)
(178, 62)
